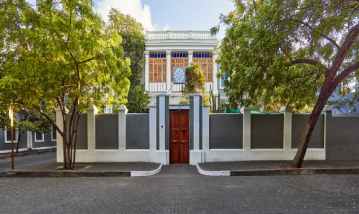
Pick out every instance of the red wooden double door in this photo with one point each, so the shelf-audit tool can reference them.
(179, 136)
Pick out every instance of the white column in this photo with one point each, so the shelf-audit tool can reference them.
(215, 80)
(246, 128)
(168, 34)
(287, 132)
(59, 142)
(91, 128)
(122, 111)
(146, 71)
(205, 127)
(152, 126)
(168, 52)
(29, 140)
(190, 54)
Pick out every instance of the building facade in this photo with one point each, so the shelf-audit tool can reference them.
(168, 49)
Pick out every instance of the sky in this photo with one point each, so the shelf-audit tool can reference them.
(158, 15)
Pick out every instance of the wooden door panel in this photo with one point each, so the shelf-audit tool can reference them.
(179, 137)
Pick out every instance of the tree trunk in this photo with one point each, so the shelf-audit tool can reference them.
(18, 143)
(321, 102)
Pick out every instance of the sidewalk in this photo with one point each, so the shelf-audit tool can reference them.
(86, 170)
(263, 168)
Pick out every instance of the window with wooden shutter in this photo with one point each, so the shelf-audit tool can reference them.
(205, 60)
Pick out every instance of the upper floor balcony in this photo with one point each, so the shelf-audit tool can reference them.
(180, 35)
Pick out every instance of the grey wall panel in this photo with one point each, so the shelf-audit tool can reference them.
(226, 131)
(345, 142)
(267, 131)
(47, 141)
(200, 123)
(299, 122)
(137, 131)
(7, 146)
(106, 131)
(82, 131)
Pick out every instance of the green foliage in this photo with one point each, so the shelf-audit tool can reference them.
(276, 52)
(133, 43)
(195, 83)
(60, 53)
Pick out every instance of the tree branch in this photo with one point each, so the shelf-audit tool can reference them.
(321, 34)
(348, 42)
(87, 60)
(345, 73)
(51, 121)
(305, 61)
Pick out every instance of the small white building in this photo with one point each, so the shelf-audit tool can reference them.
(168, 49)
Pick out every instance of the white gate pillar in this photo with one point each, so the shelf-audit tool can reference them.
(122, 111)
(196, 155)
(91, 128)
(162, 127)
(287, 132)
(246, 128)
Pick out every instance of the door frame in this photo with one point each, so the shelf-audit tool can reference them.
(170, 135)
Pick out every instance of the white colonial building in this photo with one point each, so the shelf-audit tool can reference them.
(168, 49)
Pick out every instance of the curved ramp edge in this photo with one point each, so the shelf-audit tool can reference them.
(146, 173)
(213, 173)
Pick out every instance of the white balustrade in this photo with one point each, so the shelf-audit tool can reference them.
(157, 87)
(179, 35)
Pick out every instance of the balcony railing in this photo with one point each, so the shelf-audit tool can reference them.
(150, 35)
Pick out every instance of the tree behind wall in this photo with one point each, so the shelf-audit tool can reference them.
(195, 83)
(60, 54)
(285, 51)
(133, 43)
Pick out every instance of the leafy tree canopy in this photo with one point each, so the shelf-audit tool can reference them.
(60, 54)
(133, 43)
(285, 51)
(276, 52)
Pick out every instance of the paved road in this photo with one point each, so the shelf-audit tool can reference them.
(27, 160)
(180, 189)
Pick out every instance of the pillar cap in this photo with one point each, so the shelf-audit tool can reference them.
(92, 107)
(195, 94)
(327, 108)
(163, 95)
(122, 108)
(151, 106)
(246, 109)
(59, 109)
(284, 108)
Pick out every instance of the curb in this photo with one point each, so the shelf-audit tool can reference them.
(42, 174)
(146, 173)
(279, 172)
(213, 173)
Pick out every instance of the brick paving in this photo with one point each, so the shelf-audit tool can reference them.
(180, 189)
